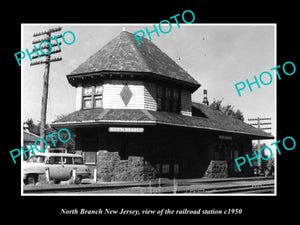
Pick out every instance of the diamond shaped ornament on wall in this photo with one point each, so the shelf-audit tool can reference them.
(126, 94)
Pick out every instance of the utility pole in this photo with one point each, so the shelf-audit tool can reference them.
(259, 125)
(47, 62)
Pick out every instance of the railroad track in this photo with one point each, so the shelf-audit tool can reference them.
(200, 187)
(78, 188)
(247, 189)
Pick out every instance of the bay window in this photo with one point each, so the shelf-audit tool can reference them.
(167, 99)
(159, 98)
(175, 100)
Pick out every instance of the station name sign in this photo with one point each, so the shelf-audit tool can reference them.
(126, 129)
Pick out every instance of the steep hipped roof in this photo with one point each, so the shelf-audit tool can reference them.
(125, 55)
(212, 120)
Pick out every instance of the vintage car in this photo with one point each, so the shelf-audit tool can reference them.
(59, 165)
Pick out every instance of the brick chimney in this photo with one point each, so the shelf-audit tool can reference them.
(205, 100)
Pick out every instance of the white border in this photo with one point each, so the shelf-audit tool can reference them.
(146, 24)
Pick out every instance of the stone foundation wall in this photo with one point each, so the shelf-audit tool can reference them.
(216, 169)
(111, 168)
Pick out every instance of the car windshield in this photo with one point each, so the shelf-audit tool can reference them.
(36, 159)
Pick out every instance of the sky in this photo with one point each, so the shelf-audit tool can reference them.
(217, 55)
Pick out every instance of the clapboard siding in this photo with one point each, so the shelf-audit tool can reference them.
(150, 96)
(186, 106)
(112, 98)
(78, 103)
(143, 96)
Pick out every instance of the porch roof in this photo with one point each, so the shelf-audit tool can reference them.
(209, 119)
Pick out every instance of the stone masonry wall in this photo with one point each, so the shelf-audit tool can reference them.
(216, 169)
(111, 168)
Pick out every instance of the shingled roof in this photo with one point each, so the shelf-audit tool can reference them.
(123, 54)
(211, 119)
(29, 137)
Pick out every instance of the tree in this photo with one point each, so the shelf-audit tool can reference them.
(228, 109)
(32, 127)
(267, 167)
(239, 115)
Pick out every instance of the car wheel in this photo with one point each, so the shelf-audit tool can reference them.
(56, 181)
(31, 179)
(78, 179)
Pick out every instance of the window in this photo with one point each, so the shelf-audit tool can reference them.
(168, 99)
(175, 94)
(78, 161)
(176, 168)
(87, 97)
(88, 90)
(87, 102)
(98, 90)
(98, 101)
(168, 92)
(67, 160)
(165, 168)
(92, 96)
(36, 159)
(159, 104)
(55, 160)
(157, 167)
(159, 98)
(175, 100)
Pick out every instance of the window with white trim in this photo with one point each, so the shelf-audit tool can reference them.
(92, 96)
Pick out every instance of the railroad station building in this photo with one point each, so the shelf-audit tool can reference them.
(135, 119)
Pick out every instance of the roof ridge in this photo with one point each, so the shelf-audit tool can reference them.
(114, 51)
(137, 50)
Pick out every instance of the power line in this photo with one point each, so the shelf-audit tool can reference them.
(259, 124)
